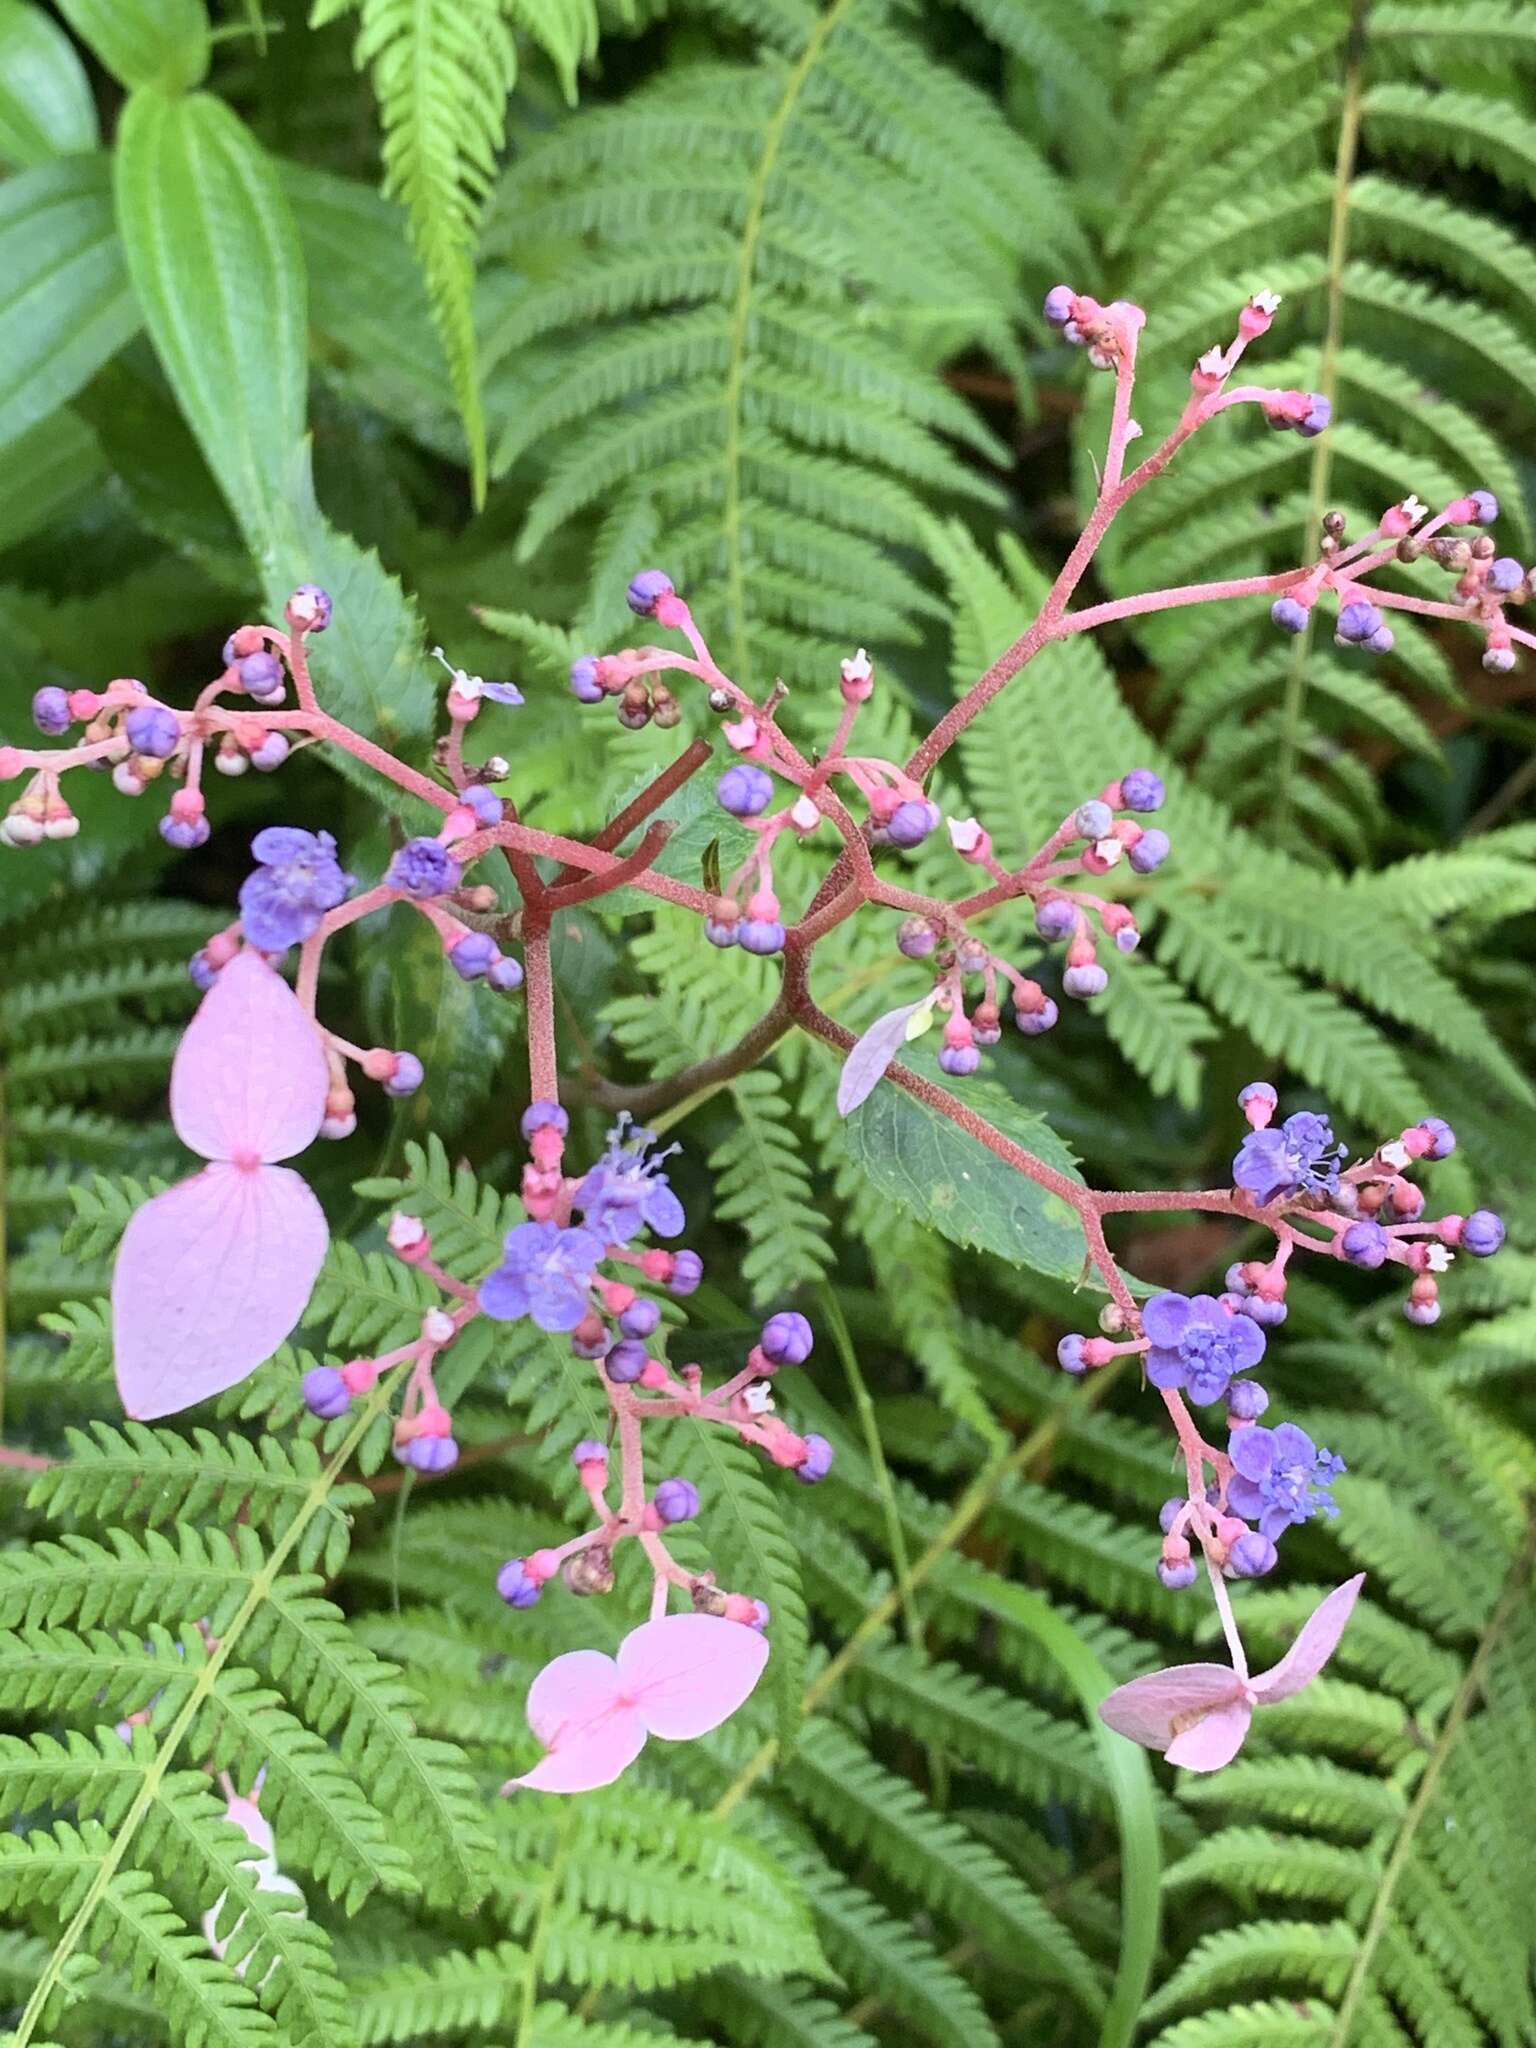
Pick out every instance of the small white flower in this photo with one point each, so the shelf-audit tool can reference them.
(1412, 510)
(858, 668)
(405, 1232)
(1108, 851)
(437, 1326)
(965, 834)
(804, 815)
(1213, 363)
(1266, 302)
(1438, 1257)
(758, 1397)
(1394, 1155)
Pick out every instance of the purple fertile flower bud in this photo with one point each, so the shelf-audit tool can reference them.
(816, 1463)
(959, 1060)
(1424, 1313)
(762, 1615)
(644, 590)
(1251, 1556)
(1169, 1513)
(473, 955)
(1482, 1233)
(787, 1338)
(1258, 1091)
(1498, 661)
(1288, 615)
(744, 791)
(1141, 790)
(1443, 1135)
(1234, 1280)
(1358, 621)
(1485, 507)
(1056, 918)
(184, 836)
(1035, 1022)
(589, 1452)
(423, 868)
(1382, 641)
(585, 687)
(261, 673)
(201, 972)
(911, 822)
(50, 711)
(485, 803)
(1234, 1304)
(1093, 820)
(544, 1116)
(1127, 939)
(583, 1347)
(1149, 852)
(272, 752)
(1085, 982)
(309, 608)
(298, 878)
(1176, 1577)
(1058, 304)
(1268, 1314)
(1069, 1353)
(505, 975)
(515, 1586)
(1365, 1244)
(676, 1500)
(1246, 1401)
(1505, 575)
(719, 933)
(325, 1393)
(640, 1318)
(407, 1078)
(687, 1272)
(625, 1362)
(916, 938)
(1318, 414)
(430, 1454)
(760, 935)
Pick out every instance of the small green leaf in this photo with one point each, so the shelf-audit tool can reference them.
(955, 1185)
(145, 42)
(65, 303)
(46, 109)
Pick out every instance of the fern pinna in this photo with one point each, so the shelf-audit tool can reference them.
(303, 1459)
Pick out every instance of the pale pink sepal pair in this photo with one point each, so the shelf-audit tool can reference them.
(212, 1275)
(1200, 1714)
(675, 1678)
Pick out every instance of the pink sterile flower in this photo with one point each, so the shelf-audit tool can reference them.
(1199, 1714)
(675, 1678)
(212, 1275)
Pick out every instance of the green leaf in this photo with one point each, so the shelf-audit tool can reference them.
(65, 302)
(46, 109)
(215, 260)
(951, 1182)
(145, 42)
(43, 470)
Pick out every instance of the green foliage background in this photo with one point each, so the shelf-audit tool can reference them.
(466, 309)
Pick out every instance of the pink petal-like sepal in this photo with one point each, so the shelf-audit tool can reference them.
(210, 1278)
(1213, 1739)
(1318, 1640)
(675, 1678)
(249, 1075)
(1153, 1710)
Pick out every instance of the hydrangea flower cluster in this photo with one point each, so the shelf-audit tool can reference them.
(1204, 1349)
(595, 1252)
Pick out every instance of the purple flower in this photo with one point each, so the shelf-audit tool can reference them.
(640, 1318)
(298, 880)
(959, 1060)
(1358, 621)
(1150, 851)
(1482, 1233)
(423, 868)
(1141, 790)
(787, 1338)
(1365, 1244)
(1246, 1401)
(816, 1463)
(408, 1076)
(505, 975)
(625, 1362)
(544, 1116)
(1299, 1156)
(911, 822)
(515, 1586)
(1505, 575)
(1197, 1345)
(627, 1192)
(645, 589)
(485, 803)
(1288, 615)
(1280, 1477)
(262, 674)
(1485, 507)
(1058, 304)
(186, 833)
(687, 1272)
(677, 1500)
(544, 1274)
(916, 938)
(1176, 1577)
(760, 935)
(50, 711)
(473, 955)
(1251, 1556)
(744, 790)
(430, 1454)
(589, 1452)
(1443, 1135)
(325, 1393)
(1033, 1022)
